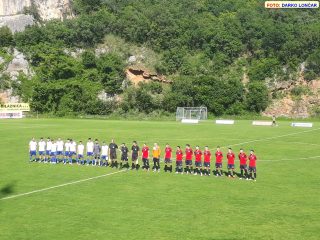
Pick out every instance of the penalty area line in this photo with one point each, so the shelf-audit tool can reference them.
(60, 185)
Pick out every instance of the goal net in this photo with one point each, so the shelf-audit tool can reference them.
(198, 113)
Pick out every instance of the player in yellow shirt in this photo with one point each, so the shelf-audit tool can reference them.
(156, 157)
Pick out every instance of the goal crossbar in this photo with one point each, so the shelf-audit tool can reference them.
(198, 113)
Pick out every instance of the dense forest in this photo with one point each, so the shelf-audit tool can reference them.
(205, 47)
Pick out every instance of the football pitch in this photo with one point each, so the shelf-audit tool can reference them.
(44, 201)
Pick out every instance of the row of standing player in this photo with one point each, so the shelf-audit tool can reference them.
(58, 151)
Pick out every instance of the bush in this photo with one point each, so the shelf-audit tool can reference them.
(316, 111)
(238, 108)
(88, 59)
(298, 91)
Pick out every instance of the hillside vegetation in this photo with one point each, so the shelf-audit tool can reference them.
(220, 54)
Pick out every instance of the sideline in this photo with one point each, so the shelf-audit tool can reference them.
(60, 185)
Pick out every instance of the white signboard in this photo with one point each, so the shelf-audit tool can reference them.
(300, 124)
(15, 107)
(227, 122)
(190, 121)
(262, 123)
(10, 114)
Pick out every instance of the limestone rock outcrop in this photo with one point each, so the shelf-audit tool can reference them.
(12, 12)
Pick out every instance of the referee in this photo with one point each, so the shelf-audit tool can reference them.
(135, 155)
(113, 153)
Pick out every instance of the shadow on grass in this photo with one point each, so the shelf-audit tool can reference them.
(7, 190)
(237, 174)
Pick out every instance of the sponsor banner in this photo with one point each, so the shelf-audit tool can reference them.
(10, 114)
(291, 4)
(15, 106)
(301, 124)
(190, 121)
(227, 122)
(262, 123)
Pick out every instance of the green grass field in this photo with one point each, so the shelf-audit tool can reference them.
(284, 203)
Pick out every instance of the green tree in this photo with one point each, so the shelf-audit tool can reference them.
(86, 6)
(172, 100)
(6, 37)
(24, 87)
(144, 101)
(133, 25)
(5, 81)
(129, 99)
(65, 97)
(111, 68)
(263, 68)
(31, 36)
(312, 70)
(55, 67)
(257, 98)
(173, 60)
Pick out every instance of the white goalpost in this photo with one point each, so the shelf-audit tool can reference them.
(191, 113)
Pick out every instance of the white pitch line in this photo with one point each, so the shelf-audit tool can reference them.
(302, 143)
(271, 138)
(290, 159)
(61, 185)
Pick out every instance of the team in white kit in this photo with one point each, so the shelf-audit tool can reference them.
(51, 151)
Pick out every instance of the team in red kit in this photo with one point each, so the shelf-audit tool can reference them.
(230, 158)
(202, 162)
(183, 158)
(167, 158)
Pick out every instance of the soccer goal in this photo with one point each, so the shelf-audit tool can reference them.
(197, 113)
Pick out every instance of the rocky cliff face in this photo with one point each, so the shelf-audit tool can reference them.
(17, 23)
(13, 7)
(18, 64)
(13, 67)
(53, 9)
(303, 106)
(48, 9)
(11, 12)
